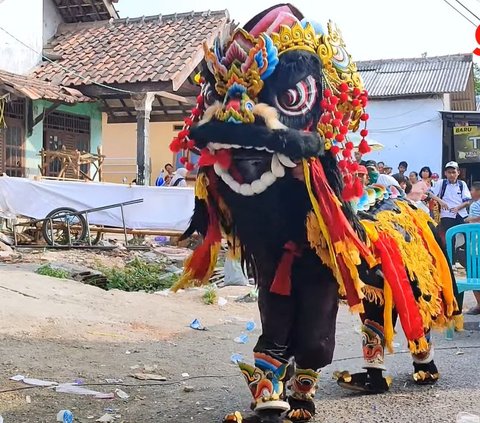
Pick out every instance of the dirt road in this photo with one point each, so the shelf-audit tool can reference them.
(64, 331)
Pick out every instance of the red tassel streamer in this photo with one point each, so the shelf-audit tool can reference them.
(339, 227)
(202, 255)
(396, 275)
(282, 283)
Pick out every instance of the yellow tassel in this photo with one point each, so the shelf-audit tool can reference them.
(357, 308)
(370, 230)
(374, 295)
(332, 262)
(316, 209)
(388, 317)
(201, 185)
(187, 280)
(345, 248)
(419, 346)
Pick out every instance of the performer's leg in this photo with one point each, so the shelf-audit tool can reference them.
(425, 370)
(373, 343)
(266, 378)
(313, 335)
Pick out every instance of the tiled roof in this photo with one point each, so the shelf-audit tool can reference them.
(35, 89)
(419, 76)
(149, 49)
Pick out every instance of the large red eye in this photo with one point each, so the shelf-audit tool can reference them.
(299, 99)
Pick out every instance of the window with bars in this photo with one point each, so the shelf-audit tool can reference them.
(12, 140)
(64, 131)
(67, 122)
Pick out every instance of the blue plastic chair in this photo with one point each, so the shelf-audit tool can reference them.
(471, 232)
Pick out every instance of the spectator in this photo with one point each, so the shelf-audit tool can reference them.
(160, 181)
(425, 175)
(381, 167)
(376, 178)
(474, 217)
(413, 177)
(402, 168)
(419, 194)
(363, 175)
(435, 178)
(358, 158)
(402, 180)
(168, 176)
(453, 196)
(387, 170)
(178, 179)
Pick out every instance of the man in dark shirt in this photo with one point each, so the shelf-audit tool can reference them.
(402, 168)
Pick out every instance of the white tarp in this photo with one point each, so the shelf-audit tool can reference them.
(163, 208)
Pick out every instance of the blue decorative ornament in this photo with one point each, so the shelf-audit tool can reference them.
(317, 26)
(272, 57)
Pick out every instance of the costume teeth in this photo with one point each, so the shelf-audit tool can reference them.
(277, 169)
(285, 160)
(246, 190)
(268, 178)
(256, 187)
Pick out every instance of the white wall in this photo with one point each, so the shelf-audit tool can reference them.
(410, 130)
(51, 20)
(25, 23)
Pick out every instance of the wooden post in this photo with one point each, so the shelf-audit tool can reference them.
(143, 106)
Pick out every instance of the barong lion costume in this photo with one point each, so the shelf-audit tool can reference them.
(277, 180)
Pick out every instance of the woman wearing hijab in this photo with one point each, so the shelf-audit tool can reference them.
(178, 179)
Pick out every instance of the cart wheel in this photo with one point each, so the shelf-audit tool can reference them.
(78, 227)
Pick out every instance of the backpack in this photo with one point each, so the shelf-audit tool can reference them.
(444, 187)
(178, 181)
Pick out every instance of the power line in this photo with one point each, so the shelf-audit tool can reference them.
(467, 9)
(65, 68)
(402, 128)
(460, 13)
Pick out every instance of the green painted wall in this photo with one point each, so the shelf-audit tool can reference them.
(34, 143)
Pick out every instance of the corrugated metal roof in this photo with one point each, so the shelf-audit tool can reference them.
(36, 89)
(418, 76)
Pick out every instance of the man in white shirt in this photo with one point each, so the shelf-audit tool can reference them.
(453, 196)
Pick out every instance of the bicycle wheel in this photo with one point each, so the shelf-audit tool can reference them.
(57, 232)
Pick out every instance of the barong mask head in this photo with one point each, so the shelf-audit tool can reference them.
(278, 99)
(277, 91)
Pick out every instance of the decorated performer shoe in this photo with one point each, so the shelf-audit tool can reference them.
(302, 386)
(369, 382)
(425, 373)
(266, 383)
(262, 417)
(300, 411)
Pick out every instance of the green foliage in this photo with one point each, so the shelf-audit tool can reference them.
(210, 295)
(139, 275)
(48, 270)
(476, 78)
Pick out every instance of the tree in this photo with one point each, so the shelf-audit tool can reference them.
(476, 78)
